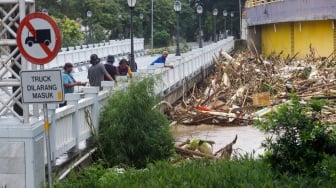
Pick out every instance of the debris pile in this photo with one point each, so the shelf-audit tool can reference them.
(246, 86)
(204, 149)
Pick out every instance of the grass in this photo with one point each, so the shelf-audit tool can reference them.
(203, 173)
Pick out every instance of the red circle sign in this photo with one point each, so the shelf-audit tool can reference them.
(38, 38)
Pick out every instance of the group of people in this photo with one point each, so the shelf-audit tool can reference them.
(104, 72)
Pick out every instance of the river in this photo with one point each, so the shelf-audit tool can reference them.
(249, 137)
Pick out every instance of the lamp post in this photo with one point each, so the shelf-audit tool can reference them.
(199, 11)
(89, 15)
(131, 5)
(214, 13)
(231, 22)
(177, 8)
(141, 16)
(152, 26)
(225, 15)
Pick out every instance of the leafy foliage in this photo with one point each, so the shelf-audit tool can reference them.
(131, 132)
(237, 173)
(71, 33)
(105, 15)
(299, 140)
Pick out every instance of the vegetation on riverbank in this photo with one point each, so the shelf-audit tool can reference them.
(245, 172)
(135, 150)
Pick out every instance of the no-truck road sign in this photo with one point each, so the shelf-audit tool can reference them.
(38, 38)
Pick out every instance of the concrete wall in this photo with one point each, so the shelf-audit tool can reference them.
(290, 11)
(297, 37)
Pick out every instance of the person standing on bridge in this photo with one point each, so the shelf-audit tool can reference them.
(69, 82)
(110, 68)
(162, 60)
(129, 59)
(97, 72)
(124, 69)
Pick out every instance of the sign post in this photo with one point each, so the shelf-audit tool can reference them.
(39, 40)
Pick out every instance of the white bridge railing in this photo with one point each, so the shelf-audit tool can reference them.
(81, 54)
(69, 124)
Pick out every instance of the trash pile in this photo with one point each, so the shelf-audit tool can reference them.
(246, 86)
(197, 148)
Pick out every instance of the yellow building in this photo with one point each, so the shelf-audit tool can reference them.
(292, 27)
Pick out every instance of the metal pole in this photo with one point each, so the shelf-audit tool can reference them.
(152, 26)
(240, 20)
(225, 36)
(231, 27)
(47, 139)
(215, 34)
(90, 29)
(133, 68)
(200, 31)
(177, 35)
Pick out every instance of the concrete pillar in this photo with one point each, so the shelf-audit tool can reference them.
(22, 162)
(107, 85)
(72, 100)
(92, 92)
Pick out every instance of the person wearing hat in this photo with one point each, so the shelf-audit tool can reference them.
(97, 72)
(110, 68)
(69, 81)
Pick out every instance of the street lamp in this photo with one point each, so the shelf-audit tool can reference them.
(199, 11)
(214, 13)
(141, 16)
(177, 8)
(225, 15)
(231, 22)
(89, 15)
(131, 5)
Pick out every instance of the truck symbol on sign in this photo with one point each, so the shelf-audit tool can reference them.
(41, 36)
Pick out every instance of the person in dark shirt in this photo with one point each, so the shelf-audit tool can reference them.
(110, 68)
(129, 59)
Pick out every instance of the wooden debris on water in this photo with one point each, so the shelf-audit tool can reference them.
(245, 83)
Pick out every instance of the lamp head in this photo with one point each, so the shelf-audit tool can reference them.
(199, 9)
(215, 12)
(131, 3)
(232, 14)
(141, 16)
(89, 14)
(225, 13)
(177, 6)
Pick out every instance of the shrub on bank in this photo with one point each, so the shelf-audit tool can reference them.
(131, 132)
(299, 140)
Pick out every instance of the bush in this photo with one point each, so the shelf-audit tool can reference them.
(299, 141)
(161, 38)
(131, 132)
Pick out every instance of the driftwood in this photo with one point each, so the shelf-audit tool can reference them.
(238, 77)
(223, 153)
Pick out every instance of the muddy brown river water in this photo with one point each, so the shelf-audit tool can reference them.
(249, 138)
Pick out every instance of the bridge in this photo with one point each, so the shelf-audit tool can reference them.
(23, 156)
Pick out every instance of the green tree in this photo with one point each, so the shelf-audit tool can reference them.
(71, 32)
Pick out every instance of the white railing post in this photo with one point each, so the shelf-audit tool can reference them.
(72, 99)
(52, 120)
(107, 85)
(93, 93)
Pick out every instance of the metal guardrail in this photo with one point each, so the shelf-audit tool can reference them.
(254, 3)
(69, 125)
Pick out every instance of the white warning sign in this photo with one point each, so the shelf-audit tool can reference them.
(43, 86)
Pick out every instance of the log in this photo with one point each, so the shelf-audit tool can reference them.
(191, 153)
